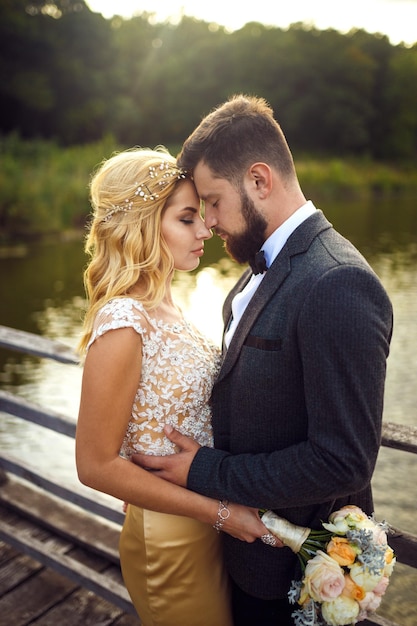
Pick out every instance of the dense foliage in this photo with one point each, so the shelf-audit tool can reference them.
(71, 76)
(44, 186)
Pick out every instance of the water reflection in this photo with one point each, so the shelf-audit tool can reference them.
(202, 294)
(42, 292)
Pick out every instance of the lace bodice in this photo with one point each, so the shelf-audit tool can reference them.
(178, 369)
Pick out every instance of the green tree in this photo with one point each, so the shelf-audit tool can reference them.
(400, 139)
(53, 57)
(72, 76)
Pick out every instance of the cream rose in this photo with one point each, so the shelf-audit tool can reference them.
(380, 536)
(346, 518)
(340, 612)
(364, 578)
(323, 578)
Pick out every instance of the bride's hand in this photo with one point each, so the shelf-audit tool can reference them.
(245, 524)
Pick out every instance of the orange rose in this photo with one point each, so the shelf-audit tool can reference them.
(352, 590)
(341, 551)
(389, 555)
(390, 561)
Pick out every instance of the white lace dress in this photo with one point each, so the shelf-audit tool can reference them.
(172, 566)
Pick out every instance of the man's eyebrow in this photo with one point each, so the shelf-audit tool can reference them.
(206, 197)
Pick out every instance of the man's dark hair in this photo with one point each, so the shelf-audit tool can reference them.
(234, 135)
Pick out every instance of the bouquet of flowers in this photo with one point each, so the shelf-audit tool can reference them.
(346, 566)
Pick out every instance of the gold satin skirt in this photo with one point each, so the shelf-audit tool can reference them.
(173, 569)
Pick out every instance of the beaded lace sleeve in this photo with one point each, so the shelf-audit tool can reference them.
(178, 369)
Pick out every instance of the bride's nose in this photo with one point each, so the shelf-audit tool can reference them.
(204, 232)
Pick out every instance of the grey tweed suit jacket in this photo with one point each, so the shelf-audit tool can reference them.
(297, 406)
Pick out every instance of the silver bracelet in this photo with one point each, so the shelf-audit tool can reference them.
(222, 515)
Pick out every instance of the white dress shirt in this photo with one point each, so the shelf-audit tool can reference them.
(272, 247)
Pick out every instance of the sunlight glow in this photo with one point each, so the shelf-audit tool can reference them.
(395, 18)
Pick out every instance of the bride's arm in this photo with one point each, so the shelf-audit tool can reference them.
(111, 378)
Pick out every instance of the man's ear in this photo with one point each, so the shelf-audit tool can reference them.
(259, 177)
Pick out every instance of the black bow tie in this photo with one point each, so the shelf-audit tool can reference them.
(258, 264)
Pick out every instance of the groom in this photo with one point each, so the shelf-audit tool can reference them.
(297, 406)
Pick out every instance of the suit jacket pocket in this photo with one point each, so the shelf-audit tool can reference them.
(260, 343)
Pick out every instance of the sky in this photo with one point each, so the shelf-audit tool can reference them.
(395, 18)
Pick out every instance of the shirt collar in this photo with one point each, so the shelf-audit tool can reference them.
(275, 242)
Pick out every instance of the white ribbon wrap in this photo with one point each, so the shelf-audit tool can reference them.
(291, 535)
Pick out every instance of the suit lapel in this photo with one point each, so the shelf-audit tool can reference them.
(297, 243)
(270, 283)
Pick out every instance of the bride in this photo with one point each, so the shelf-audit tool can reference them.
(146, 367)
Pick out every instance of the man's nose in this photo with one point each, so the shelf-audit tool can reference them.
(210, 219)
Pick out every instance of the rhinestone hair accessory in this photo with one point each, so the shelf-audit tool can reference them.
(163, 172)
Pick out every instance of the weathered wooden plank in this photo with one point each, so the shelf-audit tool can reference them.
(377, 620)
(82, 607)
(34, 528)
(91, 551)
(74, 495)
(72, 523)
(22, 341)
(404, 546)
(7, 553)
(15, 570)
(57, 553)
(30, 530)
(399, 437)
(31, 412)
(34, 597)
(75, 608)
(127, 620)
(66, 566)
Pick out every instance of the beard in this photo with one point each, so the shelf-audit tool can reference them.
(243, 247)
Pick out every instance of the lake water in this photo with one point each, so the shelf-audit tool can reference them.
(41, 291)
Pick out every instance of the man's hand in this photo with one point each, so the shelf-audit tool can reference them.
(243, 522)
(173, 467)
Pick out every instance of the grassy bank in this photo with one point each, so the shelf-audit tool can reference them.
(336, 177)
(44, 188)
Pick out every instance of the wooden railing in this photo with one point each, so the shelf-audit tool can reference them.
(71, 514)
(43, 502)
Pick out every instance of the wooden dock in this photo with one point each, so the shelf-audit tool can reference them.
(58, 564)
(34, 594)
(59, 561)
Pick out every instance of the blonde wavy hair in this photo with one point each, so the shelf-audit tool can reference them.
(128, 193)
